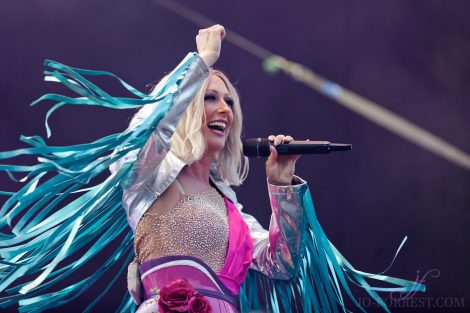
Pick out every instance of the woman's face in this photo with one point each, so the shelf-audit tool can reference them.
(218, 112)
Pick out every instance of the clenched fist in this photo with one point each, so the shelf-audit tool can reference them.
(209, 43)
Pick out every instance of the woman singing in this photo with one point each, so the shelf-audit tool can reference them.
(180, 203)
(193, 248)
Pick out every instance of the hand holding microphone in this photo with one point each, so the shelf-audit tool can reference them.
(282, 152)
(279, 169)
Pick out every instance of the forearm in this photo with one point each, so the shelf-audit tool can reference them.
(172, 98)
(276, 253)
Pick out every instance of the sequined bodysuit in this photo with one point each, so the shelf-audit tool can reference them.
(197, 226)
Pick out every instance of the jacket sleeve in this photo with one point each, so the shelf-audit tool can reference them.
(174, 93)
(276, 252)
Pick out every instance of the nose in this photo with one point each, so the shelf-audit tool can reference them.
(222, 106)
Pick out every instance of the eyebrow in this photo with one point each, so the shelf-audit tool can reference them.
(215, 91)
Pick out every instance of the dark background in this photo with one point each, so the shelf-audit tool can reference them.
(412, 57)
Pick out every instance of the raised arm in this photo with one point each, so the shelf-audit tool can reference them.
(180, 86)
(276, 252)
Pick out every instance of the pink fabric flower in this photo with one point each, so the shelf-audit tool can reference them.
(180, 296)
(175, 297)
(199, 304)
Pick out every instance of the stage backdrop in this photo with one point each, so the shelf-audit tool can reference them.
(411, 57)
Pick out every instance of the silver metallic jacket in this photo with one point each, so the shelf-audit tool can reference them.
(155, 167)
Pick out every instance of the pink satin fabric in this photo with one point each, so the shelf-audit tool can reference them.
(197, 276)
(239, 253)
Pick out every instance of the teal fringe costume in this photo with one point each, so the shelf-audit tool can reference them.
(57, 214)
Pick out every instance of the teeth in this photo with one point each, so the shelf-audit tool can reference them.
(222, 125)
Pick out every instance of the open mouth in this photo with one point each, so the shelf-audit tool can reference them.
(217, 127)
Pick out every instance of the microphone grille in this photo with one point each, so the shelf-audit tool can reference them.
(256, 147)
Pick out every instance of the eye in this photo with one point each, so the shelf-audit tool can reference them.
(229, 101)
(209, 97)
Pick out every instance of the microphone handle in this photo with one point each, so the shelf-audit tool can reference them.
(310, 147)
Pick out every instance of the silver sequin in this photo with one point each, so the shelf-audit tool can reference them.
(197, 227)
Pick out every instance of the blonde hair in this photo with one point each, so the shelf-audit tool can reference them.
(188, 142)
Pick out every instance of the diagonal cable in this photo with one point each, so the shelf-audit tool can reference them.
(368, 109)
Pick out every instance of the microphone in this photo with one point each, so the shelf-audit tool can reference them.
(259, 147)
